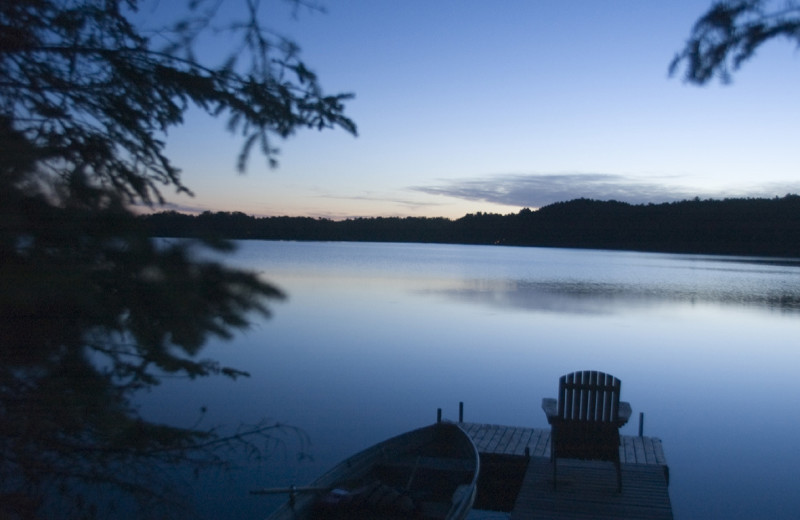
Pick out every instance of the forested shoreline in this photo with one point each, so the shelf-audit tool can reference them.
(745, 226)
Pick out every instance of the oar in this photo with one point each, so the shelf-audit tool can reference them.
(290, 490)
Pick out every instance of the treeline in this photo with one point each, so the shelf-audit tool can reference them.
(769, 227)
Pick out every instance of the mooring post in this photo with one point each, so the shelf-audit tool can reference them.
(641, 424)
(461, 411)
(438, 415)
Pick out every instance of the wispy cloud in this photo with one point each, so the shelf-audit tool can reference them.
(172, 206)
(382, 198)
(536, 190)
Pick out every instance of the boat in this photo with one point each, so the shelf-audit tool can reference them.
(428, 473)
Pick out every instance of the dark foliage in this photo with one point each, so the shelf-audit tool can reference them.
(92, 309)
(730, 226)
(731, 32)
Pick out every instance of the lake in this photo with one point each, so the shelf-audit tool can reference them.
(373, 338)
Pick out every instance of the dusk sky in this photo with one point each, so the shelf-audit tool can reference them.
(477, 105)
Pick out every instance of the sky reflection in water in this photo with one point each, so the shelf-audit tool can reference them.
(375, 337)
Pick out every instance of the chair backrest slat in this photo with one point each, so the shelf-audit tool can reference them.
(589, 396)
(593, 394)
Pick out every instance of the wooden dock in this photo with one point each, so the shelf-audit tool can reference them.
(587, 489)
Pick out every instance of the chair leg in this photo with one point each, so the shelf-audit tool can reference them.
(555, 472)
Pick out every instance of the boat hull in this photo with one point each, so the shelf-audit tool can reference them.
(431, 473)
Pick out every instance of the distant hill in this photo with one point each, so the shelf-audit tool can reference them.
(761, 227)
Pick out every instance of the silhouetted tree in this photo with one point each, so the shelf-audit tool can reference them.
(91, 308)
(730, 226)
(729, 34)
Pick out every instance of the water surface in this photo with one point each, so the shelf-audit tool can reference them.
(375, 337)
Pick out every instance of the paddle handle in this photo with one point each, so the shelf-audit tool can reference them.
(290, 489)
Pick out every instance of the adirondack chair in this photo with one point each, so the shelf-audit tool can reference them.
(585, 419)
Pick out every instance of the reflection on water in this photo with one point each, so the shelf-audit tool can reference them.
(375, 337)
(593, 297)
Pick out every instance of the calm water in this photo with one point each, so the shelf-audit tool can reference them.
(375, 337)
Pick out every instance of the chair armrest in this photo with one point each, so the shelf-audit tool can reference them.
(550, 407)
(624, 412)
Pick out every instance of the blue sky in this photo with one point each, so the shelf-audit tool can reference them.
(479, 105)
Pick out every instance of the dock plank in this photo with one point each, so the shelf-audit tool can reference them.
(490, 437)
(628, 449)
(518, 441)
(638, 445)
(659, 452)
(649, 453)
(504, 438)
(511, 440)
(538, 445)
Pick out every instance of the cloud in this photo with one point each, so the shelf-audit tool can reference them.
(173, 206)
(535, 190)
(388, 199)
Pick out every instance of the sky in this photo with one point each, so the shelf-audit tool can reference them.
(467, 106)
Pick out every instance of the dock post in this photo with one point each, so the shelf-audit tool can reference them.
(461, 411)
(438, 415)
(641, 424)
